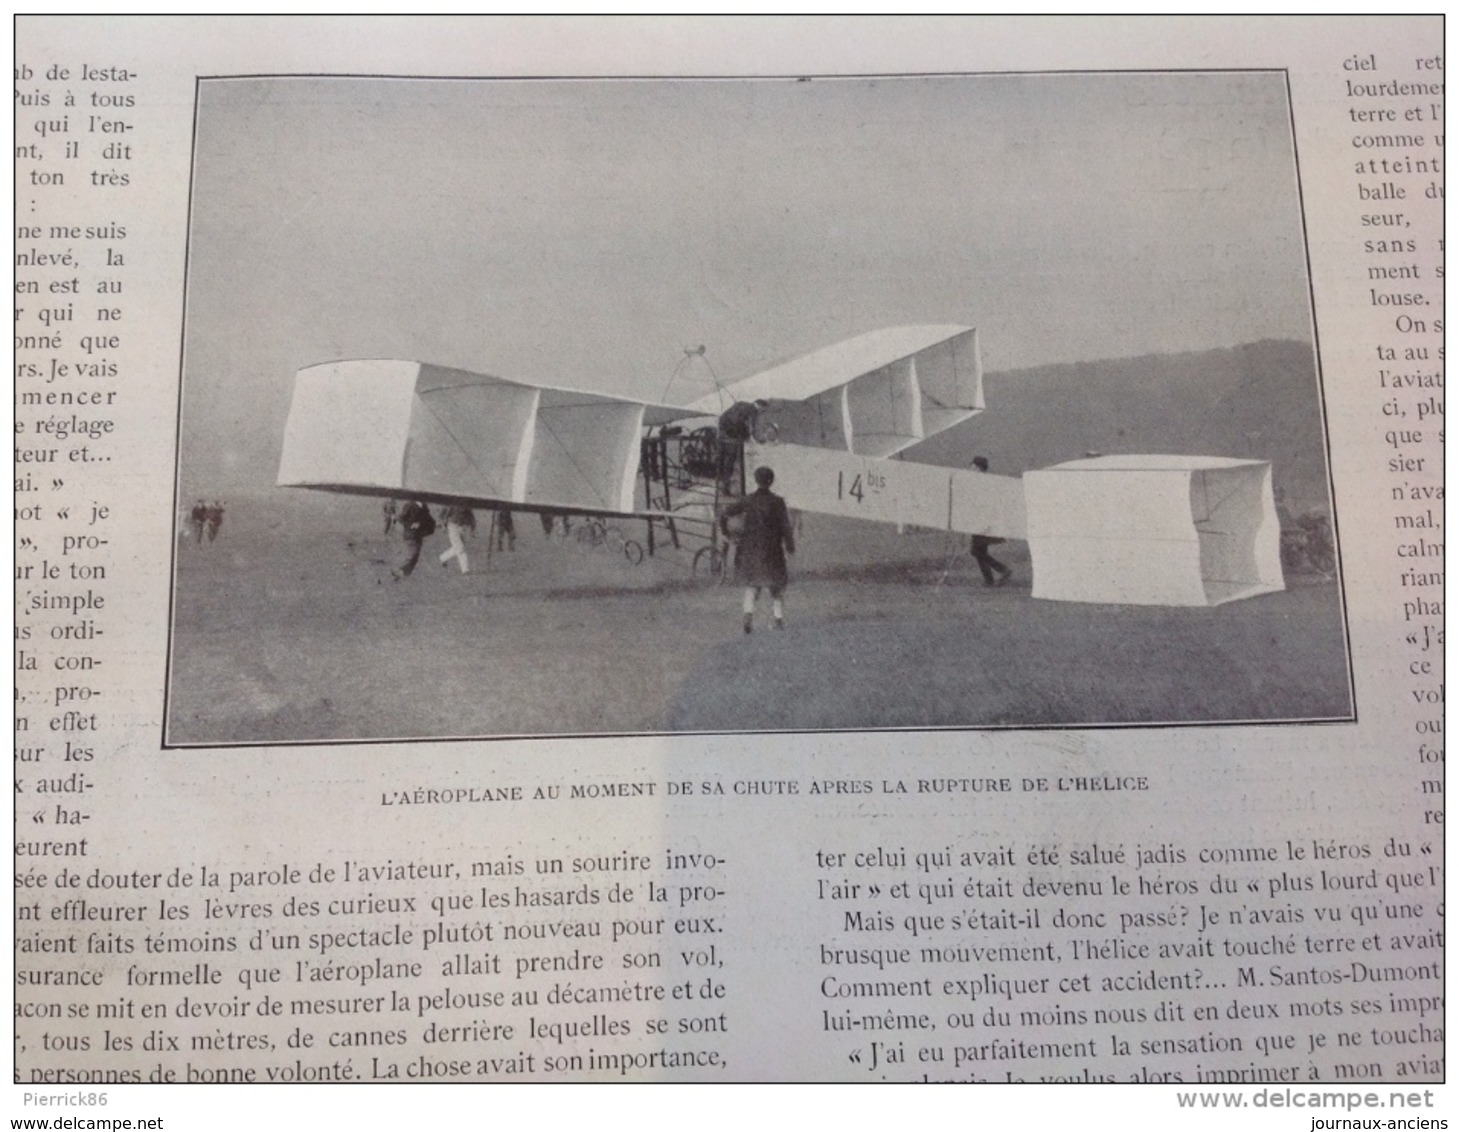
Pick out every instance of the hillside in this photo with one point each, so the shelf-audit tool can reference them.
(1258, 401)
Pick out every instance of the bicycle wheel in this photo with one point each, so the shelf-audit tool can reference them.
(633, 552)
(590, 534)
(708, 562)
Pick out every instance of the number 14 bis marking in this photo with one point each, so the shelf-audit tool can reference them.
(856, 491)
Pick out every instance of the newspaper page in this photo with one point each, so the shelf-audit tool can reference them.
(721, 551)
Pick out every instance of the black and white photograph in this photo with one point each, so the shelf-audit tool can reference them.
(794, 550)
(573, 407)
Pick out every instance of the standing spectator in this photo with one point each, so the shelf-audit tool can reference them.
(214, 519)
(767, 537)
(416, 525)
(994, 572)
(197, 520)
(506, 530)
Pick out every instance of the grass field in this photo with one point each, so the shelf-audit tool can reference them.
(289, 628)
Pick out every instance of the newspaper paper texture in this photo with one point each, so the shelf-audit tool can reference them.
(419, 679)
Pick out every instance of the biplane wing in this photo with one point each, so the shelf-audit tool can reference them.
(1168, 530)
(403, 428)
(389, 427)
(872, 395)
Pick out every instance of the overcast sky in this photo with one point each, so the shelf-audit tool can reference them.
(585, 233)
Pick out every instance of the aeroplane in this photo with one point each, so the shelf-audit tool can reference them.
(1164, 530)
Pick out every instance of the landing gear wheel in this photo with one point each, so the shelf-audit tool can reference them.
(709, 562)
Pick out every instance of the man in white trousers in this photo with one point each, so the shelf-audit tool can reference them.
(459, 518)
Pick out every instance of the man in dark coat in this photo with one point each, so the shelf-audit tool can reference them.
(416, 525)
(198, 520)
(994, 573)
(766, 538)
(506, 530)
(736, 427)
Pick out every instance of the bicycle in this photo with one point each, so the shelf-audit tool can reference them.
(593, 533)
